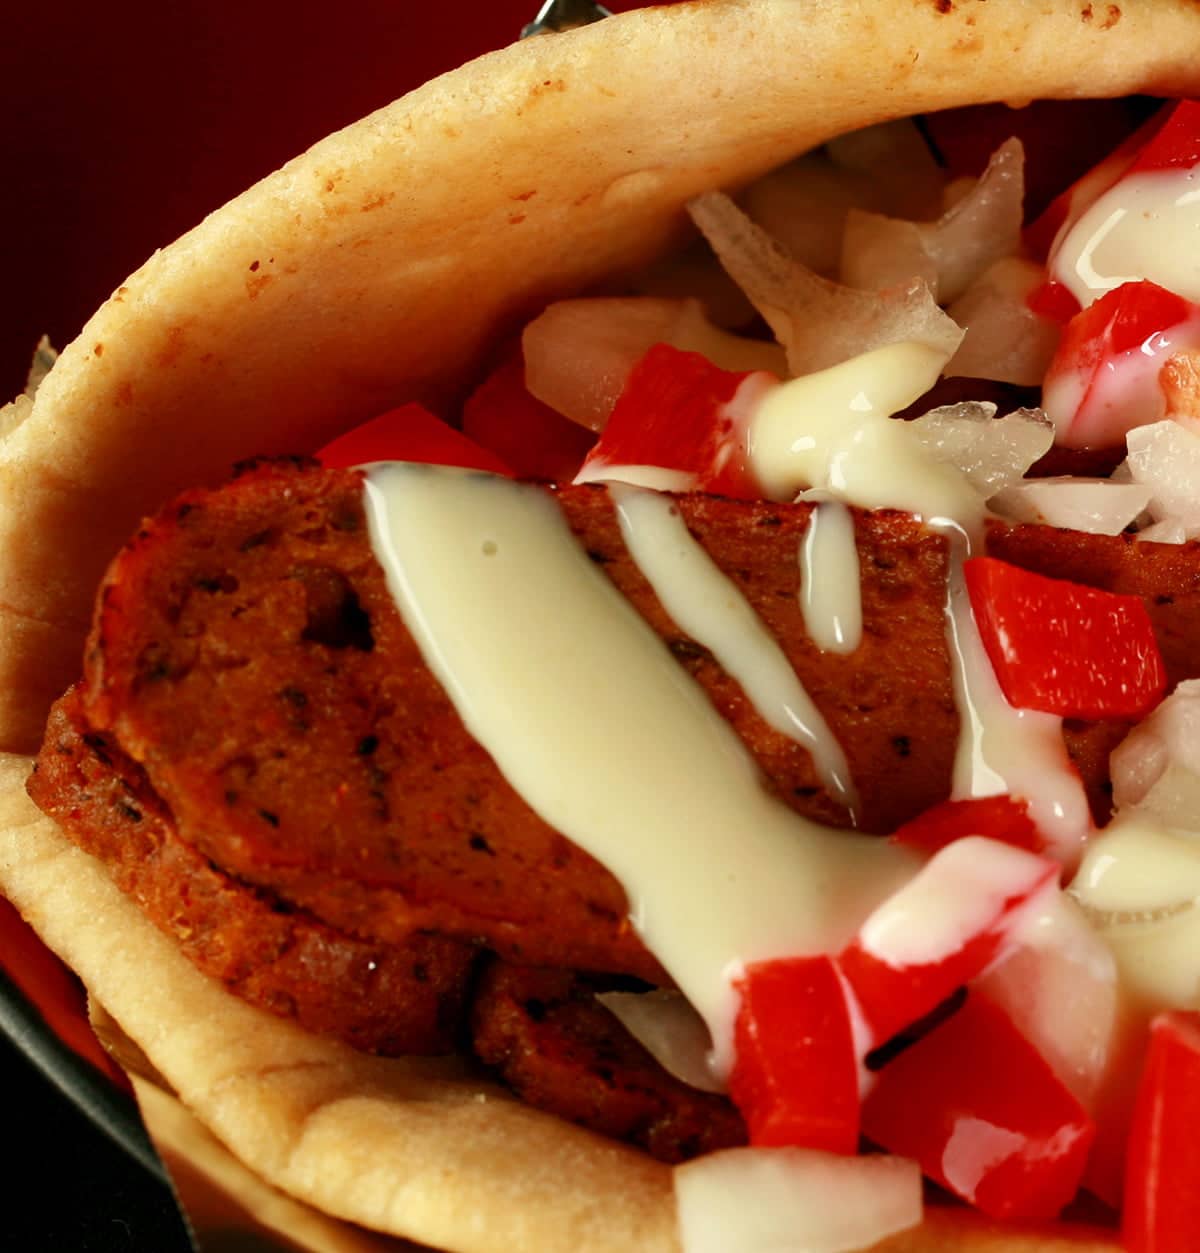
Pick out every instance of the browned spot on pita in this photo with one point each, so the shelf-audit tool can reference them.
(1114, 16)
(256, 282)
(525, 195)
(98, 350)
(516, 219)
(377, 201)
(944, 6)
(547, 87)
(173, 348)
(124, 394)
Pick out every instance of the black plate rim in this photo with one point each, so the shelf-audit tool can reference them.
(114, 1112)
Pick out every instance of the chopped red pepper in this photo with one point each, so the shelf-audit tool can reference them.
(976, 1105)
(965, 905)
(410, 433)
(1002, 818)
(1063, 648)
(674, 415)
(795, 1074)
(1162, 1200)
(1103, 379)
(536, 441)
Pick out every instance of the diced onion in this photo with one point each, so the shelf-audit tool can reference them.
(992, 452)
(1156, 768)
(977, 230)
(804, 204)
(578, 353)
(1005, 340)
(794, 1201)
(906, 179)
(670, 1030)
(819, 323)
(1165, 457)
(1097, 506)
(1059, 986)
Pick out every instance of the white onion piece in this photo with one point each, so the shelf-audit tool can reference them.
(1097, 506)
(1005, 340)
(804, 204)
(1165, 456)
(578, 353)
(670, 1030)
(879, 252)
(819, 323)
(1059, 986)
(992, 452)
(906, 179)
(1156, 767)
(793, 1201)
(976, 231)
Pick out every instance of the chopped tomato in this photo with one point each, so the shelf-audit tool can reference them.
(1063, 648)
(1103, 378)
(795, 1073)
(940, 930)
(410, 433)
(976, 1105)
(1002, 818)
(535, 440)
(675, 415)
(1162, 1201)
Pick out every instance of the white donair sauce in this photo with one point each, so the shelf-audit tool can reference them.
(830, 579)
(833, 431)
(593, 722)
(1146, 226)
(703, 601)
(1003, 749)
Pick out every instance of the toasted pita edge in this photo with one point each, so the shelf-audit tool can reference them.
(425, 1149)
(377, 266)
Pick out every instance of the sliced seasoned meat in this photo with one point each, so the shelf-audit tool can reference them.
(560, 1050)
(398, 998)
(248, 656)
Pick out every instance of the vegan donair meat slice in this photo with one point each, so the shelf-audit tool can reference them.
(386, 260)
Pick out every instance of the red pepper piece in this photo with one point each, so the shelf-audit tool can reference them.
(795, 1073)
(1002, 818)
(976, 1105)
(673, 415)
(410, 433)
(966, 903)
(1162, 1200)
(1103, 378)
(536, 441)
(1064, 648)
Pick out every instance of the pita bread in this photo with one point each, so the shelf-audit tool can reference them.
(425, 1149)
(375, 268)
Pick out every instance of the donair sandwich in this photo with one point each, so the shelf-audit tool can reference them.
(679, 732)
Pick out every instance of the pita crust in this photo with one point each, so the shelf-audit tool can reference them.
(375, 267)
(420, 1148)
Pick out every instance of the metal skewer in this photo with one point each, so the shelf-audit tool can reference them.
(558, 15)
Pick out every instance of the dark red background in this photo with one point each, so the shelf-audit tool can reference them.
(122, 125)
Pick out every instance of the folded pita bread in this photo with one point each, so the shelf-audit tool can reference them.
(376, 268)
